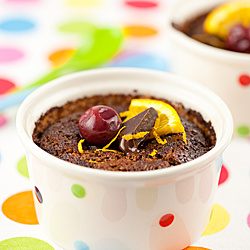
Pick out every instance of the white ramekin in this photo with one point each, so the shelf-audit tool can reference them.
(218, 69)
(154, 210)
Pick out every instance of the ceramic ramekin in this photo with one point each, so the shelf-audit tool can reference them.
(82, 208)
(220, 70)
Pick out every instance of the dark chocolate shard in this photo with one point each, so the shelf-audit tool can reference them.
(136, 130)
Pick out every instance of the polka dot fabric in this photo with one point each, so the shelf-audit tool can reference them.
(25, 56)
(244, 82)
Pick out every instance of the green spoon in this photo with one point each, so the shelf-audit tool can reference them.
(96, 50)
(103, 45)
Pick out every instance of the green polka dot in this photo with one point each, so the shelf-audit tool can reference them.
(77, 27)
(24, 243)
(22, 167)
(243, 130)
(78, 191)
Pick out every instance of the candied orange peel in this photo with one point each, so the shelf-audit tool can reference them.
(168, 120)
(153, 153)
(95, 161)
(108, 150)
(79, 146)
(114, 138)
(135, 136)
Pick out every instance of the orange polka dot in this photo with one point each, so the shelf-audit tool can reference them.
(60, 57)
(139, 31)
(196, 248)
(20, 208)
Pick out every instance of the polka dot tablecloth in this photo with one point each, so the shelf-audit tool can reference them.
(40, 35)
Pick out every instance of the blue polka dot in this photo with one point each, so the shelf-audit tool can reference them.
(16, 25)
(79, 245)
(147, 61)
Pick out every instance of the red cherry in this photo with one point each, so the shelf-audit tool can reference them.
(99, 124)
(238, 39)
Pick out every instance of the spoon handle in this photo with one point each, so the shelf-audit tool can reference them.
(48, 77)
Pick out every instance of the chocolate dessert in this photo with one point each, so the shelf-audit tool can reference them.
(236, 37)
(193, 28)
(130, 146)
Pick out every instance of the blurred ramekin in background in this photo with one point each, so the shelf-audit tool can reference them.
(220, 70)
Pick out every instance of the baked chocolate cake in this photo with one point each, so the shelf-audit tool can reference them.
(57, 132)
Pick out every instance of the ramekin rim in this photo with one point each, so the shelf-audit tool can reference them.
(74, 169)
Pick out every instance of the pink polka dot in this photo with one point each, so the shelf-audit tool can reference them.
(116, 212)
(248, 220)
(141, 4)
(223, 175)
(205, 186)
(5, 85)
(54, 180)
(244, 80)
(21, 1)
(3, 120)
(10, 54)
(206, 183)
(185, 190)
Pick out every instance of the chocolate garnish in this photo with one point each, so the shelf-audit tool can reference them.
(136, 130)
